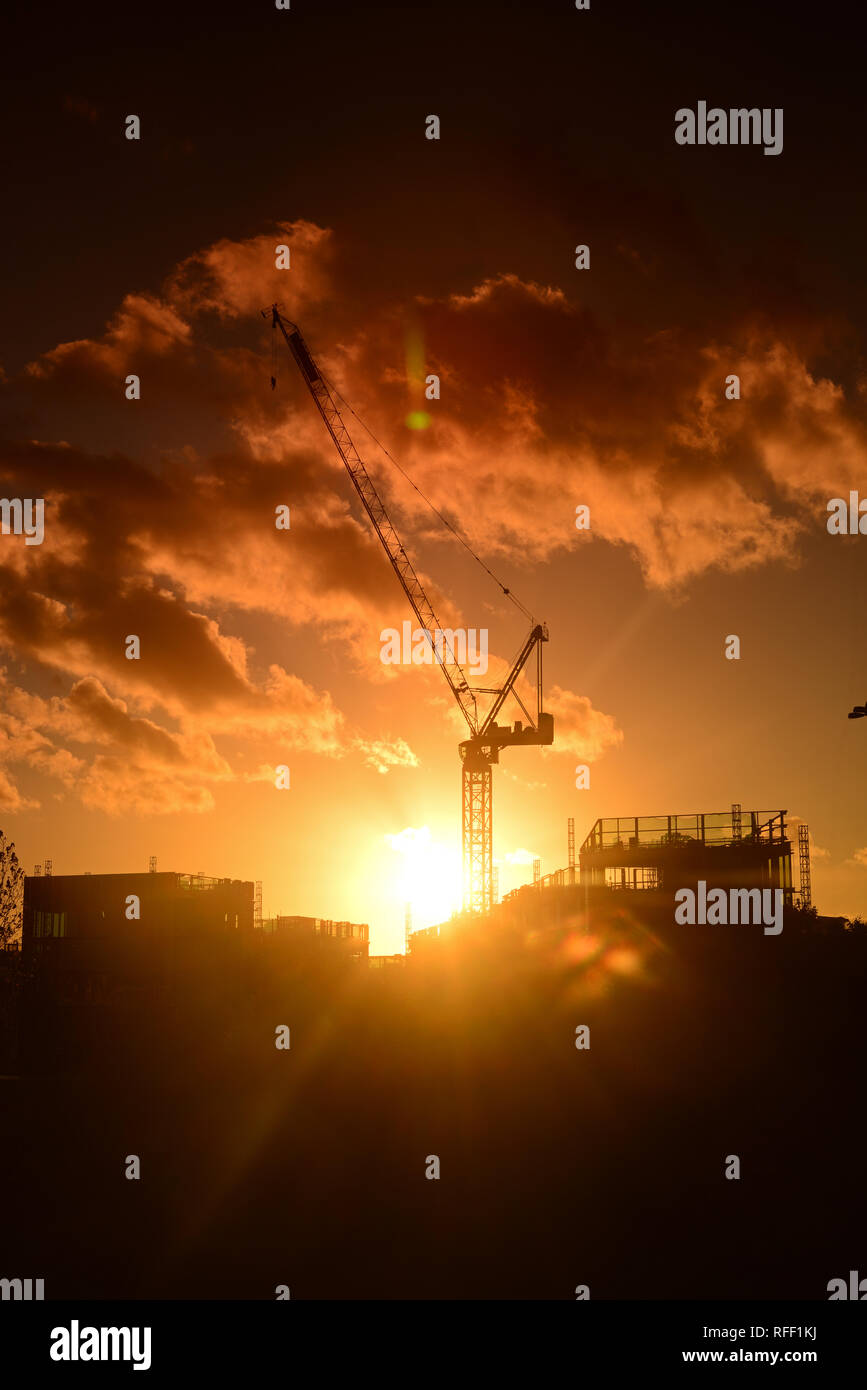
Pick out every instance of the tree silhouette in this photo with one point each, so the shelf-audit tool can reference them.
(11, 891)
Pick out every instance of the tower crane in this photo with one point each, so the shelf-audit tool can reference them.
(481, 750)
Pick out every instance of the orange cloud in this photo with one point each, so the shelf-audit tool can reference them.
(579, 728)
(543, 407)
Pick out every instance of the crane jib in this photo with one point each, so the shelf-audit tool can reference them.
(303, 358)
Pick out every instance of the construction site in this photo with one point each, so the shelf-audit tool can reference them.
(652, 856)
(566, 1053)
(638, 864)
(467, 1048)
(638, 861)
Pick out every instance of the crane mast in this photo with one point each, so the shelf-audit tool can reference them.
(481, 750)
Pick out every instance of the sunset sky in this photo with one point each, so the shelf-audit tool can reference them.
(560, 387)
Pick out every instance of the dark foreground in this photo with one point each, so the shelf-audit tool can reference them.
(559, 1167)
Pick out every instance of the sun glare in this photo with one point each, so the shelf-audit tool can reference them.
(428, 876)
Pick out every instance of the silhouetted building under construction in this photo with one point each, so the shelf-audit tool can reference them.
(658, 855)
(347, 939)
(643, 861)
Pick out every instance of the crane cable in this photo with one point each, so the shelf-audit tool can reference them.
(465, 543)
(393, 461)
(331, 387)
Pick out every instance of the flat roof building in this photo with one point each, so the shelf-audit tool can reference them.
(64, 912)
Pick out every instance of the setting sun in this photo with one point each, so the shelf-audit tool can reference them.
(428, 876)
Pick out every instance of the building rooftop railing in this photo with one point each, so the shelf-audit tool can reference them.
(702, 827)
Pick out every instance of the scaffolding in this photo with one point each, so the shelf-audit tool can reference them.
(804, 865)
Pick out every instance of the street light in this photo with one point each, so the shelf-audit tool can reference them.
(858, 712)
